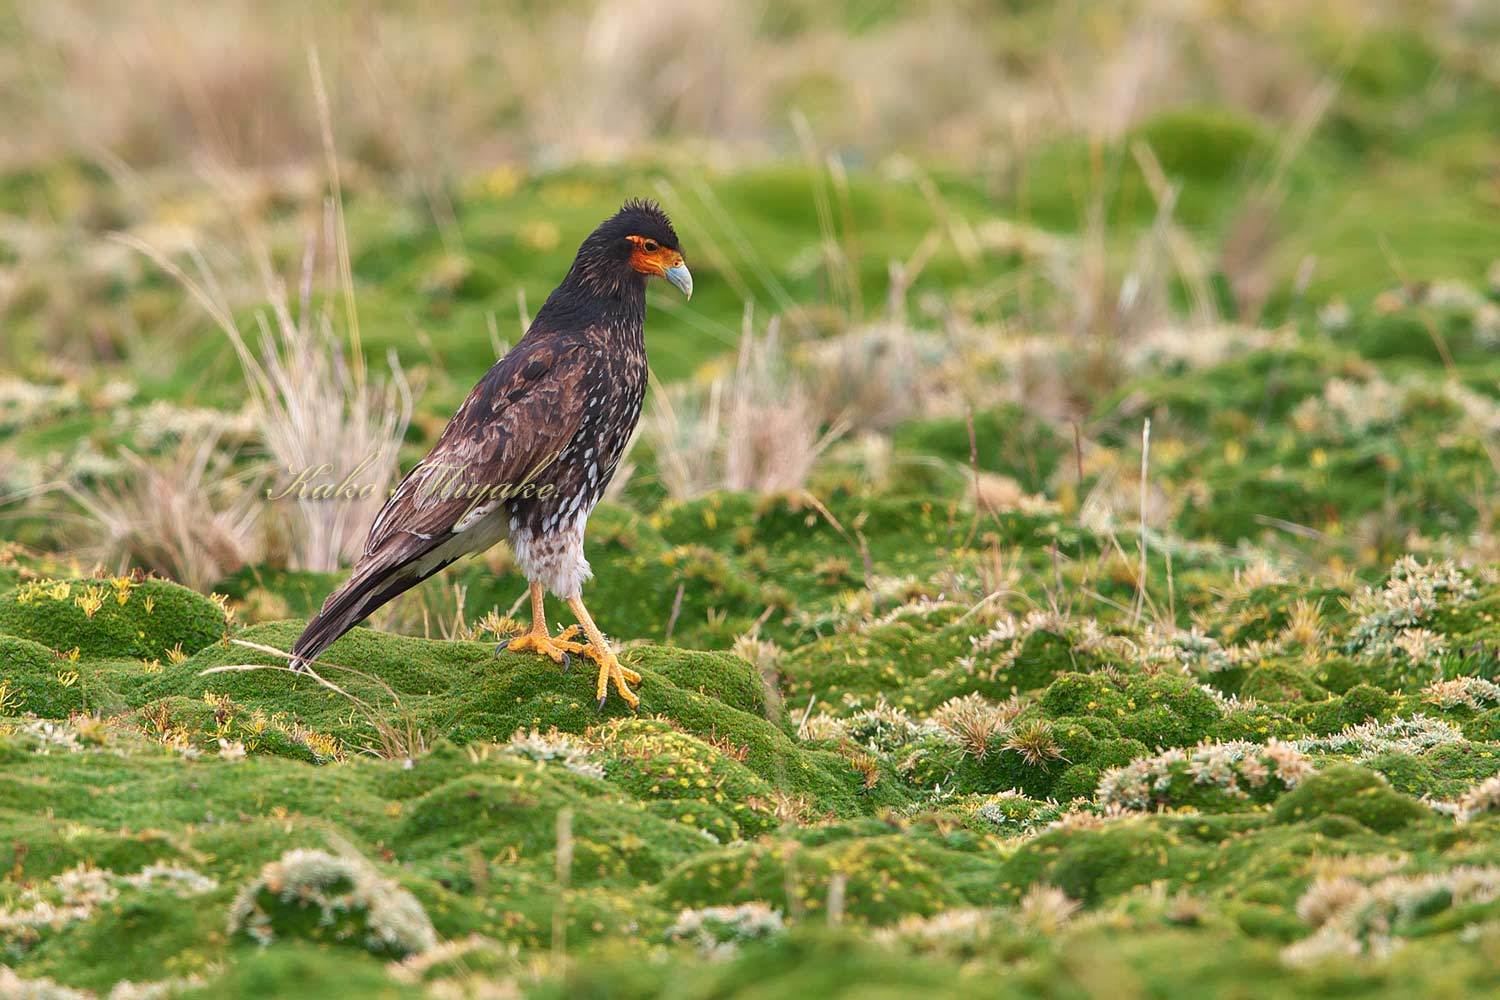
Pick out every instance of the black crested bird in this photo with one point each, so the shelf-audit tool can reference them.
(529, 453)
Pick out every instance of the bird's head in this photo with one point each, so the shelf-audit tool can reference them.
(636, 243)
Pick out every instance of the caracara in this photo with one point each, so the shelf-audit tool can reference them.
(529, 453)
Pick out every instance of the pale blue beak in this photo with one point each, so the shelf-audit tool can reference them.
(679, 275)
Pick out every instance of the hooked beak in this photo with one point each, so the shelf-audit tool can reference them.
(679, 275)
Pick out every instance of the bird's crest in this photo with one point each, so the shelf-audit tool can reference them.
(641, 217)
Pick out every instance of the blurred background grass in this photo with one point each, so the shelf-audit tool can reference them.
(478, 142)
(1023, 202)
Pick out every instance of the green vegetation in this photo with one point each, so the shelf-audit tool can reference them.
(1061, 556)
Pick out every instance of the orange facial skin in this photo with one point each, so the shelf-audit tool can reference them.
(649, 261)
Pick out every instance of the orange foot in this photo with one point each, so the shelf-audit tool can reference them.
(557, 648)
(611, 669)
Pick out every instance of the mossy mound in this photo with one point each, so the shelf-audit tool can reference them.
(1356, 792)
(883, 878)
(812, 961)
(118, 617)
(885, 661)
(317, 896)
(466, 693)
(37, 679)
(1089, 864)
(514, 813)
(303, 969)
(696, 783)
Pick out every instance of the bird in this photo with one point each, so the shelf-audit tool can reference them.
(529, 453)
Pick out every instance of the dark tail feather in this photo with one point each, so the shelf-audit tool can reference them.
(346, 607)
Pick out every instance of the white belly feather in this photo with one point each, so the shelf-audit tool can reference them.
(554, 559)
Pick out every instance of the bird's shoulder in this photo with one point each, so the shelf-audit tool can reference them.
(540, 358)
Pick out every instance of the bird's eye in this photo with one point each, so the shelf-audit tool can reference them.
(652, 246)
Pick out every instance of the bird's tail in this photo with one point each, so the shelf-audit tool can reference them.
(346, 607)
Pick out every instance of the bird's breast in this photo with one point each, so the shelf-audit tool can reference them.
(611, 407)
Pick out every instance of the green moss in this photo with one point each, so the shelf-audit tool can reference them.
(1212, 151)
(1483, 726)
(884, 878)
(884, 660)
(292, 593)
(113, 618)
(1082, 779)
(36, 679)
(706, 787)
(1389, 63)
(1443, 773)
(464, 692)
(1084, 695)
(724, 678)
(1004, 441)
(808, 961)
(169, 934)
(1340, 673)
(304, 970)
(1350, 791)
(1043, 655)
(1281, 681)
(1091, 864)
(1165, 711)
(1361, 703)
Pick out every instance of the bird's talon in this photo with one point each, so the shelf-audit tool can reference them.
(567, 663)
(610, 669)
(555, 648)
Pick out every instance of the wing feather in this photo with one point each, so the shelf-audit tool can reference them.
(510, 429)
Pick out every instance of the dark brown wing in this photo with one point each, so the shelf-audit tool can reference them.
(506, 434)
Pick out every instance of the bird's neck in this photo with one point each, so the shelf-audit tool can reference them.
(606, 299)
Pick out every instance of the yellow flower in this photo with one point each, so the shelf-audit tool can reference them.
(504, 181)
(91, 600)
(542, 235)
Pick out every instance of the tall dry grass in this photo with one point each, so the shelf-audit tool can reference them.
(754, 429)
(316, 408)
(189, 516)
(314, 404)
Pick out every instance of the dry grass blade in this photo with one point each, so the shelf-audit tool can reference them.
(683, 430)
(187, 517)
(772, 439)
(975, 722)
(403, 742)
(756, 430)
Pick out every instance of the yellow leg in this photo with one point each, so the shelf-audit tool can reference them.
(537, 640)
(610, 667)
